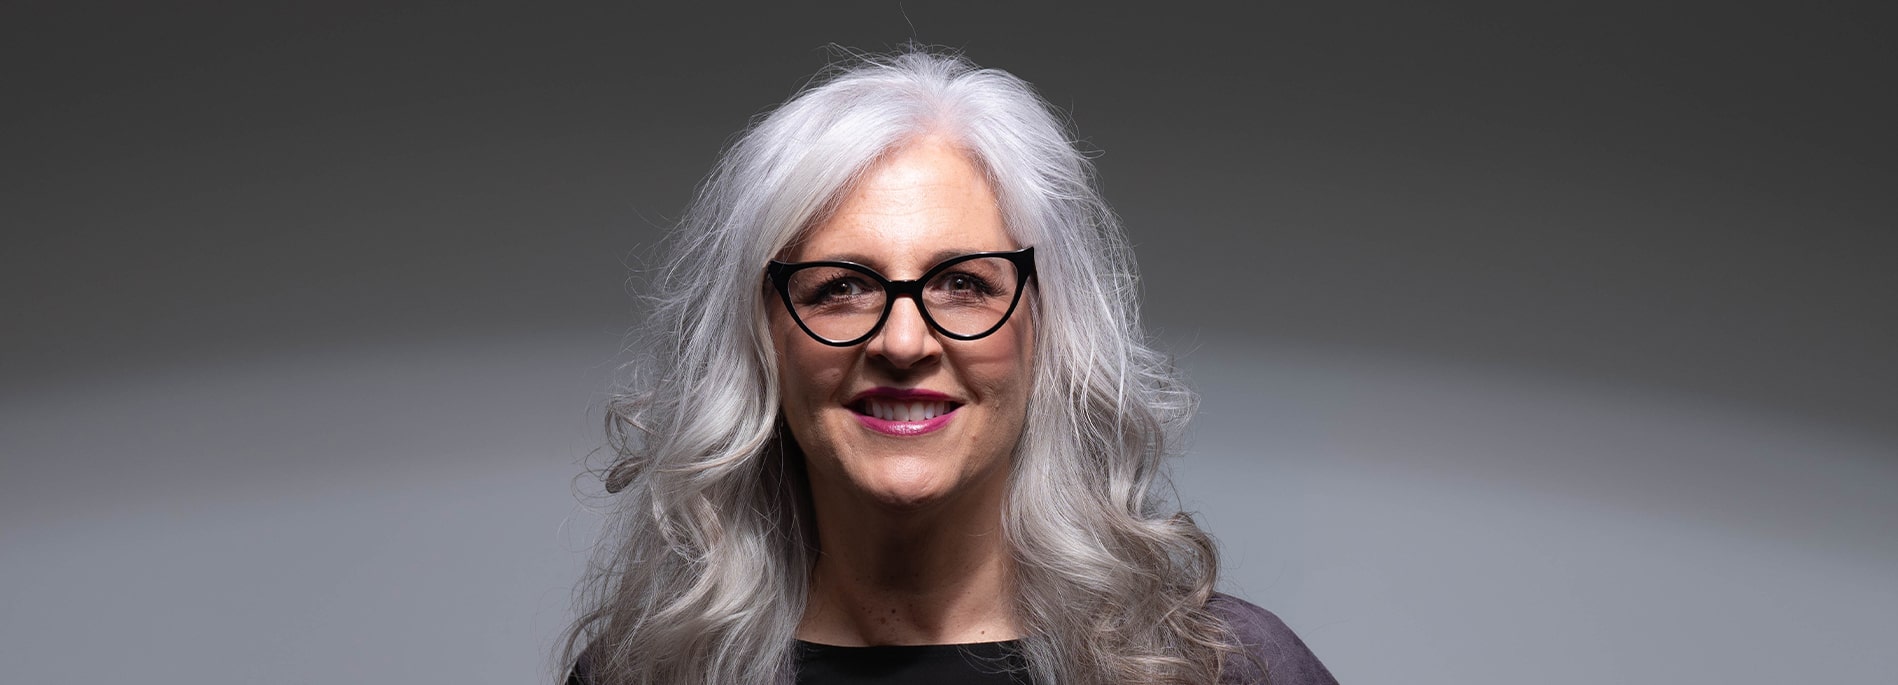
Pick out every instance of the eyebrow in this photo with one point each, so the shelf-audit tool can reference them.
(937, 257)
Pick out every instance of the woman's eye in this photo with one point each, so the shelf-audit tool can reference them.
(963, 284)
(842, 288)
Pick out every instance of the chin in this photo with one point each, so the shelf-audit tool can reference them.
(907, 482)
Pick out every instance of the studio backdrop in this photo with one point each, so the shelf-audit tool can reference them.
(1534, 344)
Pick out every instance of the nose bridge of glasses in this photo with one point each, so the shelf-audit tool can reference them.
(910, 290)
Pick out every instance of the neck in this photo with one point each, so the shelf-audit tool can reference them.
(933, 575)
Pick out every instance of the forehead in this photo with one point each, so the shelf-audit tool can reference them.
(915, 206)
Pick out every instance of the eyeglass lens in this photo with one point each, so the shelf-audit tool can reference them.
(840, 303)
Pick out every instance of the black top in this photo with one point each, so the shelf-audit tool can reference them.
(1267, 640)
(981, 663)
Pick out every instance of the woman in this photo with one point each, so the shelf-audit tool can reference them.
(897, 422)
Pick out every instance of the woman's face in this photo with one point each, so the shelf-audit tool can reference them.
(917, 206)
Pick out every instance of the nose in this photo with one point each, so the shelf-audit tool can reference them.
(905, 340)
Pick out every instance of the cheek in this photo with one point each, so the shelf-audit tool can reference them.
(809, 373)
(1002, 370)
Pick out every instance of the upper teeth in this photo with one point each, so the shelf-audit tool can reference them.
(890, 410)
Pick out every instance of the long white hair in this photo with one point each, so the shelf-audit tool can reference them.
(704, 568)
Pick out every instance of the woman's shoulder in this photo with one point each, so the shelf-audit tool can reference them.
(1271, 643)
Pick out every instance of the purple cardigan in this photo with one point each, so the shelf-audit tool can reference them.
(1271, 643)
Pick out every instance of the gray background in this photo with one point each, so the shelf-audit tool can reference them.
(1546, 345)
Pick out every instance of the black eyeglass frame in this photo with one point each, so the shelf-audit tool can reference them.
(780, 275)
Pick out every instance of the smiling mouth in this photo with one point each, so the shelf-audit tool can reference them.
(897, 410)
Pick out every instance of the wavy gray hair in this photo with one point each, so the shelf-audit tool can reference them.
(704, 566)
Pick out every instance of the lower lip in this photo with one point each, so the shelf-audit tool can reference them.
(907, 428)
